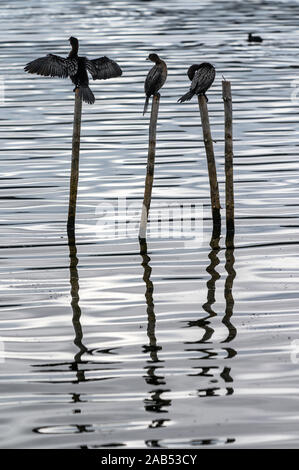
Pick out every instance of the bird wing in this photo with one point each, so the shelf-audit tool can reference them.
(53, 66)
(153, 80)
(103, 68)
(203, 79)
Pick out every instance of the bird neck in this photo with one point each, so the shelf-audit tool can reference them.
(74, 50)
(192, 70)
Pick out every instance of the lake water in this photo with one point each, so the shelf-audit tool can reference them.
(183, 346)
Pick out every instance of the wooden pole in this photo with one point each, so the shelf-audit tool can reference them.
(214, 190)
(75, 164)
(229, 174)
(150, 167)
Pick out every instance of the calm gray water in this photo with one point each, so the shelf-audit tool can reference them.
(183, 346)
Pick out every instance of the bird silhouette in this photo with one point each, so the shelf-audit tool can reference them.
(155, 79)
(252, 38)
(202, 76)
(76, 69)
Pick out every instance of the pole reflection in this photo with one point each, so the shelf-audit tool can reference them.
(214, 374)
(78, 341)
(155, 403)
(228, 288)
(74, 281)
(75, 364)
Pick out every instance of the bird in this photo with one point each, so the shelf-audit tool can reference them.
(201, 76)
(155, 79)
(254, 38)
(76, 69)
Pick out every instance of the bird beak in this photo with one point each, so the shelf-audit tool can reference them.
(147, 58)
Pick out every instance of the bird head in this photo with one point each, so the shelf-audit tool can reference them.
(153, 58)
(73, 41)
(192, 70)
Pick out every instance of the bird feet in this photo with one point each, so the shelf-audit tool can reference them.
(203, 94)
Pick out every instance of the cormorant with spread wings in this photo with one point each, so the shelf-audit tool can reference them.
(76, 69)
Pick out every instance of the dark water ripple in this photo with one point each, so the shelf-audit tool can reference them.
(107, 343)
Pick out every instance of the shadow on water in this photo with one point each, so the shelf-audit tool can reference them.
(208, 353)
(156, 403)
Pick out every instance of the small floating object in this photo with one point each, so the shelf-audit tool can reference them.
(202, 77)
(76, 69)
(155, 79)
(252, 38)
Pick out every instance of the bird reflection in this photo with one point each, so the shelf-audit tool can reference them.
(214, 373)
(155, 403)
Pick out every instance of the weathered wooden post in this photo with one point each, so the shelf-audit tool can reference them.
(150, 167)
(75, 164)
(229, 174)
(214, 190)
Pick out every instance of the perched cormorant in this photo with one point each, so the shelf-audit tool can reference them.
(155, 79)
(254, 38)
(202, 77)
(76, 68)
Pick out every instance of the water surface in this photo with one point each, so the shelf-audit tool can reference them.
(107, 343)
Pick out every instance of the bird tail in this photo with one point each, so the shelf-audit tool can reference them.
(86, 94)
(186, 97)
(146, 105)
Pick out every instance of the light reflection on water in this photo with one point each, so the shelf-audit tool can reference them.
(158, 345)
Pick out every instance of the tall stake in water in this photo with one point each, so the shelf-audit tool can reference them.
(150, 167)
(75, 163)
(214, 190)
(202, 77)
(229, 173)
(155, 79)
(76, 69)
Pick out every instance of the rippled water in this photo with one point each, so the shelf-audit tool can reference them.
(173, 346)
